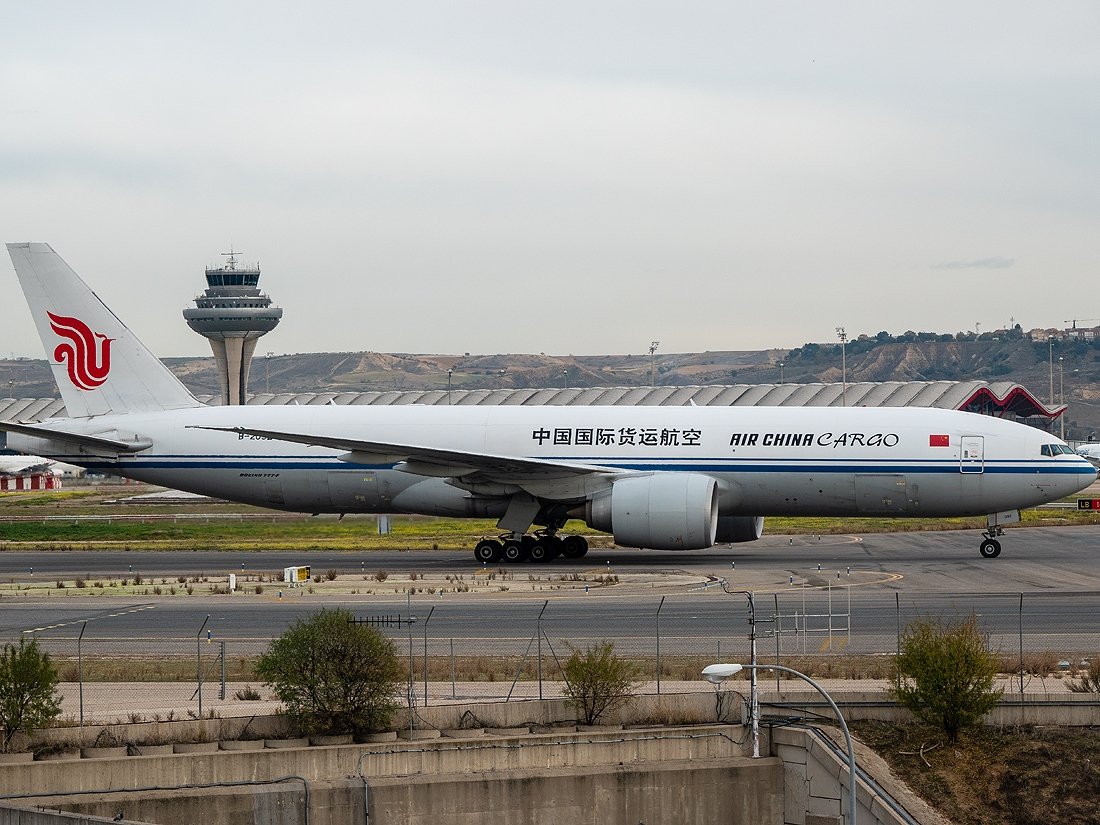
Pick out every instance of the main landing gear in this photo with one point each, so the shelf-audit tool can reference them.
(991, 548)
(541, 548)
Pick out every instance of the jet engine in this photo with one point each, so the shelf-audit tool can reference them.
(736, 529)
(664, 511)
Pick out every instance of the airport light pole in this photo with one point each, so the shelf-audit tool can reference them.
(843, 336)
(449, 371)
(718, 673)
(1050, 354)
(781, 365)
(1062, 397)
(653, 362)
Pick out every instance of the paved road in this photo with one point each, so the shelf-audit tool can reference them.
(1041, 557)
(917, 573)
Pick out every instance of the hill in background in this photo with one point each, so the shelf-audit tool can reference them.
(912, 356)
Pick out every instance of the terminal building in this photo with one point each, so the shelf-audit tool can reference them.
(1003, 399)
(232, 314)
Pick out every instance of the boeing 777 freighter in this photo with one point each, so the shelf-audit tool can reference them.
(665, 478)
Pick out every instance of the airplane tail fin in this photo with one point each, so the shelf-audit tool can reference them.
(99, 365)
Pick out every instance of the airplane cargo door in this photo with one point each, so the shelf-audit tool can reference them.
(972, 454)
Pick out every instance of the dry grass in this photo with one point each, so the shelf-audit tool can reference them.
(996, 776)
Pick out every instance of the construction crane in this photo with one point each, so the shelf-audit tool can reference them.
(1082, 320)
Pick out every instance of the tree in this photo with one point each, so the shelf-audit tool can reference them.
(28, 689)
(598, 681)
(944, 674)
(332, 675)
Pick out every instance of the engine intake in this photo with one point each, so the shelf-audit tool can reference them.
(663, 511)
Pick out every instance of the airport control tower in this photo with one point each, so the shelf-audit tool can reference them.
(232, 313)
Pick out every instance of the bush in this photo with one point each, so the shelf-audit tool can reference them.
(28, 689)
(333, 676)
(598, 681)
(944, 674)
(1090, 678)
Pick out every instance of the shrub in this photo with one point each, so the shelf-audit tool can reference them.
(598, 681)
(381, 575)
(332, 675)
(28, 689)
(247, 694)
(944, 674)
(331, 575)
(1090, 678)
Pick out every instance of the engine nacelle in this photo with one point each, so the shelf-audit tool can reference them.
(736, 529)
(664, 511)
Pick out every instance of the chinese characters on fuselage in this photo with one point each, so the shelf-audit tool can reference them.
(621, 436)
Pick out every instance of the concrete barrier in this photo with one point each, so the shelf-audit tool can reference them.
(731, 790)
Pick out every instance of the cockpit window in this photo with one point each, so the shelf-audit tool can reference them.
(1057, 449)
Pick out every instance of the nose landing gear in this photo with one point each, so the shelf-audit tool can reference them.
(990, 548)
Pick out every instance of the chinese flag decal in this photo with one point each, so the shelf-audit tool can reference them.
(939, 441)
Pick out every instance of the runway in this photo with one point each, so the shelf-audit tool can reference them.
(894, 577)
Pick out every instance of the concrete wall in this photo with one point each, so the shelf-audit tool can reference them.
(815, 784)
(736, 791)
(1070, 709)
(12, 815)
(675, 709)
(1082, 709)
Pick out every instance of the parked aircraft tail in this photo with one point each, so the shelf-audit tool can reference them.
(99, 365)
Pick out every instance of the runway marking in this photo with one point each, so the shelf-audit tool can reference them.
(135, 609)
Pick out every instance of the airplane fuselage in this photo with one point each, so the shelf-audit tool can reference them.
(767, 461)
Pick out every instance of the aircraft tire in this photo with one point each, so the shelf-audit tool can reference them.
(488, 550)
(990, 549)
(514, 551)
(574, 547)
(540, 551)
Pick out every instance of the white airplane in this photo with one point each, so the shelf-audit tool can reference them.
(22, 464)
(665, 478)
(1090, 451)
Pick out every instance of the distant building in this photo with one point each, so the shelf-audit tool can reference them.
(1003, 399)
(232, 314)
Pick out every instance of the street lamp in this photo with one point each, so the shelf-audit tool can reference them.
(718, 673)
(1050, 355)
(1062, 397)
(843, 336)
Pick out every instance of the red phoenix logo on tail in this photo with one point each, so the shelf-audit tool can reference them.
(87, 360)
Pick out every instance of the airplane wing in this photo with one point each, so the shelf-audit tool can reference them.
(94, 442)
(434, 461)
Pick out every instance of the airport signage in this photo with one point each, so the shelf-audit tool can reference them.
(1088, 504)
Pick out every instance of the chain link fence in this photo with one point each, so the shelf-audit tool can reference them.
(487, 650)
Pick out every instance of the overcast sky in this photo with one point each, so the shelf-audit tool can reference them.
(567, 177)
